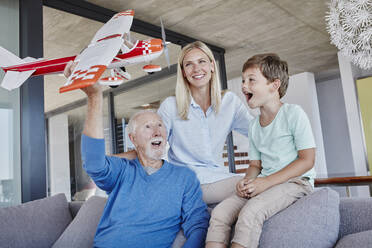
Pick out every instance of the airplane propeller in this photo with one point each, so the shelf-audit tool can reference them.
(165, 43)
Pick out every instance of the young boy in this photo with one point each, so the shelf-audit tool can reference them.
(281, 152)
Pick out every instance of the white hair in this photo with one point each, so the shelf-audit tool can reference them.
(132, 124)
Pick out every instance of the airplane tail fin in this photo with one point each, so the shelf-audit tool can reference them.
(14, 79)
(8, 59)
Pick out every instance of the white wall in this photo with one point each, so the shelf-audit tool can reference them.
(59, 159)
(302, 91)
(349, 73)
(336, 138)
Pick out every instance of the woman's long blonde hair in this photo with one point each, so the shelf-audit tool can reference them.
(183, 92)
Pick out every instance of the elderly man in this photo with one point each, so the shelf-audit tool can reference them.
(149, 199)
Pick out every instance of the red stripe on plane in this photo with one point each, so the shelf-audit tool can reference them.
(109, 37)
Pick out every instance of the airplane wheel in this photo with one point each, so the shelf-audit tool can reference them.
(114, 86)
(151, 73)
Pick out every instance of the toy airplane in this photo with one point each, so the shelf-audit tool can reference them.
(110, 48)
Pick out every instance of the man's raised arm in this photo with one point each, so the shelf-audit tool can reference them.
(92, 143)
(93, 126)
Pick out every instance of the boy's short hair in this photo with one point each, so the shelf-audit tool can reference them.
(272, 67)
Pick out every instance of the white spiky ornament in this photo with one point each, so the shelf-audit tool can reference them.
(349, 22)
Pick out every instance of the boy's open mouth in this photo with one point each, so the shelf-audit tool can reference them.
(249, 96)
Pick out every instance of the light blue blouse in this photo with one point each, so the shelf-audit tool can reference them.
(198, 142)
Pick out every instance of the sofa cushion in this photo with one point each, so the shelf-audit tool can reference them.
(80, 233)
(312, 221)
(361, 239)
(34, 224)
(75, 207)
(353, 211)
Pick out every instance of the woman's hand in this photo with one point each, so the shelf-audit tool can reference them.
(128, 155)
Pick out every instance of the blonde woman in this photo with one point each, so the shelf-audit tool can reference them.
(198, 120)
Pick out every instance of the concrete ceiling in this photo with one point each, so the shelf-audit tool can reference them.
(293, 29)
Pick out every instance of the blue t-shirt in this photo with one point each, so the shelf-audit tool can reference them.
(144, 210)
(278, 143)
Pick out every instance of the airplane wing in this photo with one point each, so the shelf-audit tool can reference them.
(119, 24)
(92, 63)
(105, 45)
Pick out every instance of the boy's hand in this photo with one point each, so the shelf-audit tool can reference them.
(257, 186)
(241, 187)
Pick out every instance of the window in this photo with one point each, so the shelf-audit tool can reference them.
(10, 162)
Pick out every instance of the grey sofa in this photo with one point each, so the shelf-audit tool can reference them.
(318, 220)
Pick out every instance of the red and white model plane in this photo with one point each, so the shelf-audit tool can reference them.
(109, 49)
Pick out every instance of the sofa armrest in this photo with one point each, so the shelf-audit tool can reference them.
(80, 233)
(355, 215)
(360, 239)
(75, 207)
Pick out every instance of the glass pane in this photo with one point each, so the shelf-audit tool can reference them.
(80, 181)
(10, 164)
(66, 173)
(10, 191)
